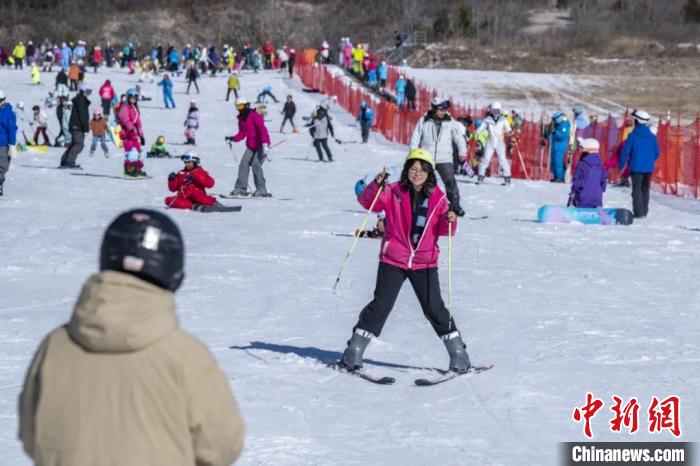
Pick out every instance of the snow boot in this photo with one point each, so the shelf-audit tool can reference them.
(458, 211)
(506, 181)
(459, 359)
(265, 194)
(1, 190)
(352, 357)
(240, 192)
(480, 179)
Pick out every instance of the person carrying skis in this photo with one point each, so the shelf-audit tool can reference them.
(129, 118)
(640, 151)
(558, 141)
(106, 96)
(233, 84)
(121, 382)
(417, 214)
(8, 137)
(289, 110)
(190, 184)
(499, 129)
(99, 128)
(192, 123)
(438, 133)
(320, 127)
(365, 118)
(79, 124)
(167, 86)
(42, 122)
(251, 127)
(590, 179)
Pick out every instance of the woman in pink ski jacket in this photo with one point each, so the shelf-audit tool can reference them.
(417, 214)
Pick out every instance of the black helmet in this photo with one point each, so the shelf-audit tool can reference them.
(147, 244)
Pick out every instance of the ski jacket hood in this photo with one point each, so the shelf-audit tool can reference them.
(122, 384)
(118, 312)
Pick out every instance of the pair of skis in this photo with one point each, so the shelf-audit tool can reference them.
(420, 382)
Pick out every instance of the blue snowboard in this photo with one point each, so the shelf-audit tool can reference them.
(600, 216)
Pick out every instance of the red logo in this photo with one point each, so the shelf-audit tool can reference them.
(662, 414)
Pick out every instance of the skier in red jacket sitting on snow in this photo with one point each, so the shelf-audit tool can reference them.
(190, 183)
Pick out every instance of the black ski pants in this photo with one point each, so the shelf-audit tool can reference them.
(447, 173)
(76, 146)
(189, 84)
(640, 193)
(426, 285)
(364, 130)
(323, 142)
(228, 93)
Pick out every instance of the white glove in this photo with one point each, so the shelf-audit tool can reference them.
(12, 152)
(265, 149)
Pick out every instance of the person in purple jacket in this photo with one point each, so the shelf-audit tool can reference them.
(251, 127)
(590, 177)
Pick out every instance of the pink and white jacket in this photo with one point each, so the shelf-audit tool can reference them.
(397, 248)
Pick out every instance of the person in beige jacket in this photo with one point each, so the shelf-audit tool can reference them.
(121, 383)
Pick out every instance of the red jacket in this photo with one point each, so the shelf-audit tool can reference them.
(97, 56)
(253, 130)
(397, 248)
(106, 91)
(194, 190)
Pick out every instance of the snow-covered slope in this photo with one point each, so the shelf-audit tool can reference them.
(528, 93)
(560, 310)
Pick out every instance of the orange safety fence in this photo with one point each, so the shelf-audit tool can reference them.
(677, 170)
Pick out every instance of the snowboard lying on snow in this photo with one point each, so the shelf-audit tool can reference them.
(599, 216)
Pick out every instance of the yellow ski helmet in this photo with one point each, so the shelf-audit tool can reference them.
(421, 154)
(160, 140)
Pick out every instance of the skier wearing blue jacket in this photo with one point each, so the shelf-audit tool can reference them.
(400, 91)
(365, 118)
(558, 142)
(641, 150)
(167, 86)
(382, 73)
(8, 136)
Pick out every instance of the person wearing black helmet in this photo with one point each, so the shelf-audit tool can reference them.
(121, 372)
(440, 134)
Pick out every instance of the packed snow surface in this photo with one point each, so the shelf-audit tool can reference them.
(561, 310)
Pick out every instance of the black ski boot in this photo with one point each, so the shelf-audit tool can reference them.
(1, 190)
(352, 357)
(480, 179)
(506, 181)
(459, 359)
(458, 211)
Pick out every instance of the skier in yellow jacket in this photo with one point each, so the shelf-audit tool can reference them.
(18, 53)
(121, 383)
